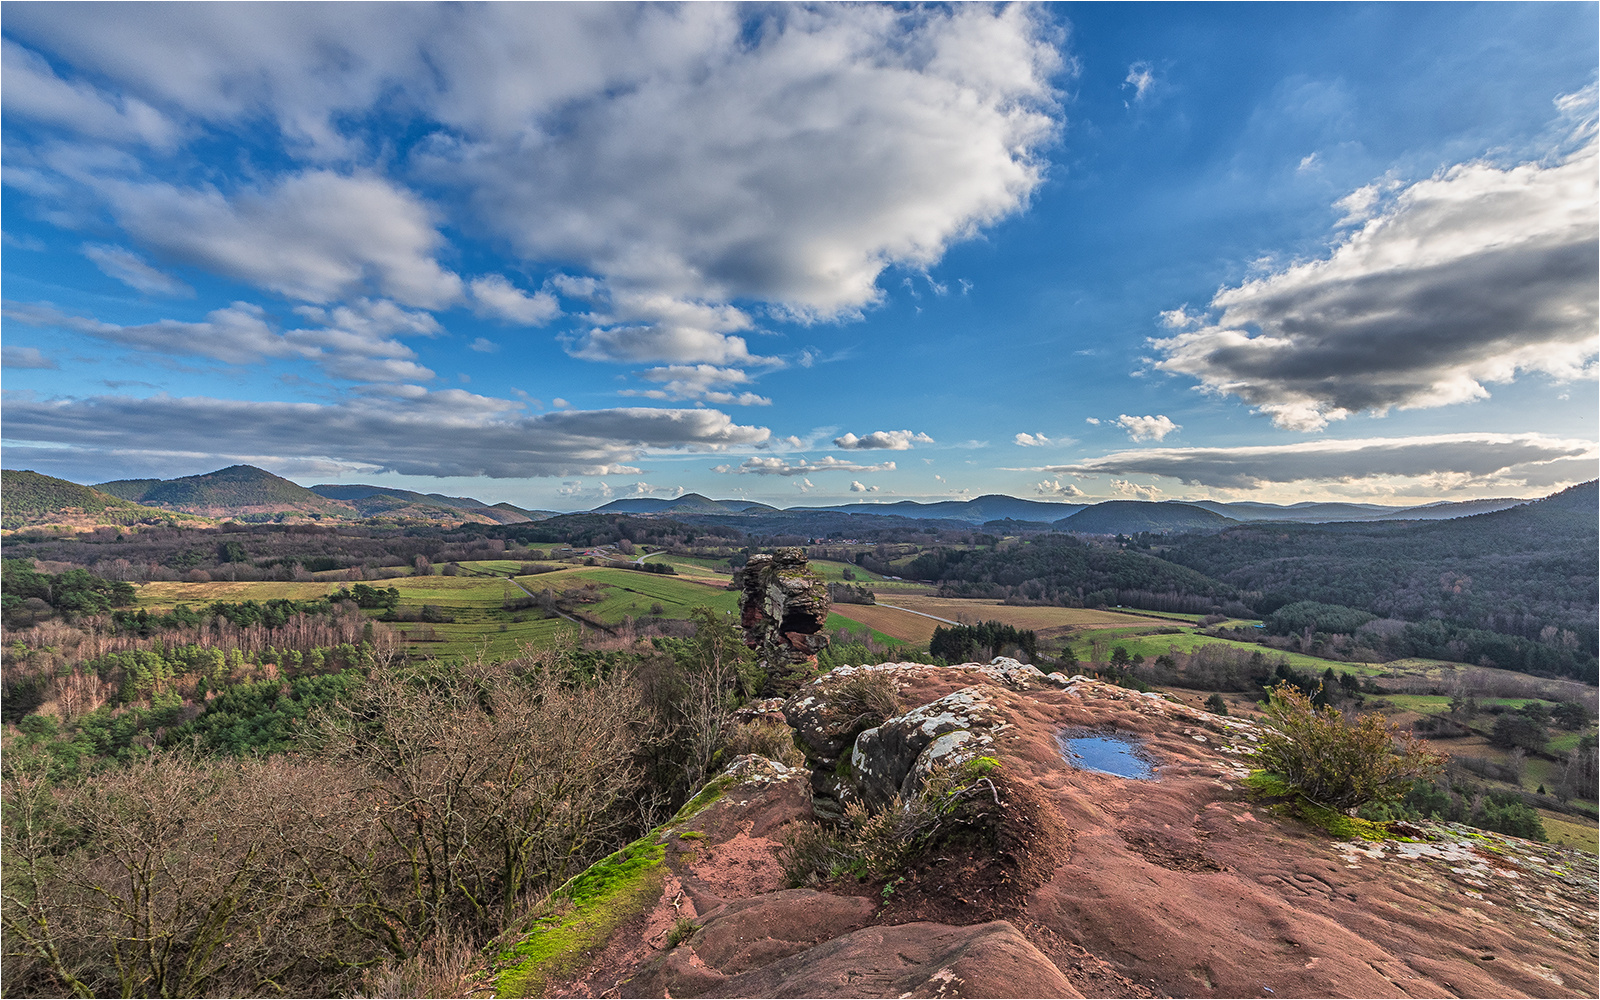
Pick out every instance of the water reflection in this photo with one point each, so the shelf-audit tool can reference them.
(1106, 755)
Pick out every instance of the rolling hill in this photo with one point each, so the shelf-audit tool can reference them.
(238, 490)
(689, 503)
(386, 501)
(1128, 517)
(29, 498)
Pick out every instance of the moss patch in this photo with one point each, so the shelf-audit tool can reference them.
(588, 909)
(1331, 821)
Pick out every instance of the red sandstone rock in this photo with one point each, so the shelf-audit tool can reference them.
(1106, 886)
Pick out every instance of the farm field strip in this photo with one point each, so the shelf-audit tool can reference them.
(1034, 617)
(166, 594)
(902, 625)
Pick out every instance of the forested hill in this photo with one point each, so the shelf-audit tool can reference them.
(1059, 569)
(28, 498)
(238, 487)
(1129, 517)
(1518, 571)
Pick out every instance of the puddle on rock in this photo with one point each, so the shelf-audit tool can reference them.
(1114, 755)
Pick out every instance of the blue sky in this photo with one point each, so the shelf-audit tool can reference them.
(558, 254)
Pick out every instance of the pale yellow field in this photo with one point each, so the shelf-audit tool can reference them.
(1045, 621)
(900, 624)
(1570, 831)
(163, 594)
(1039, 619)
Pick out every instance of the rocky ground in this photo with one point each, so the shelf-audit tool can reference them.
(1096, 885)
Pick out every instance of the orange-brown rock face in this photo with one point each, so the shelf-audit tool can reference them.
(1097, 885)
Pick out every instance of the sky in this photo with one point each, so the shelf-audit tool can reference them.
(561, 254)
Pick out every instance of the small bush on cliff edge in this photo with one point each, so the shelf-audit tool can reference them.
(953, 800)
(1335, 763)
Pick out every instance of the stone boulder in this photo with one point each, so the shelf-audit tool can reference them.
(893, 758)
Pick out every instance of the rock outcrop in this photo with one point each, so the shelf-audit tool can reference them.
(783, 609)
(1096, 885)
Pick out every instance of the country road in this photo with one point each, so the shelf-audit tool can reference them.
(558, 611)
(923, 614)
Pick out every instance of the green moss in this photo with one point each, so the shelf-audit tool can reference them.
(1330, 821)
(588, 909)
(706, 796)
(980, 766)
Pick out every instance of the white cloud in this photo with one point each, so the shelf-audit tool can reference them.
(764, 466)
(25, 357)
(1135, 491)
(702, 153)
(1032, 440)
(857, 487)
(31, 89)
(655, 327)
(707, 382)
(1469, 277)
(1459, 459)
(496, 297)
(236, 334)
(886, 440)
(1141, 77)
(1055, 487)
(483, 345)
(355, 341)
(317, 236)
(130, 269)
(1093, 421)
(1147, 428)
(410, 431)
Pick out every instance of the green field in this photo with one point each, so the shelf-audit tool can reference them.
(1140, 643)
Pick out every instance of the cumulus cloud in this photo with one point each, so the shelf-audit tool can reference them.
(856, 486)
(25, 357)
(698, 154)
(1032, 440)
(886, 440)
(1092, 421)
(707, 382)
(1146, 428)
(483, 345)
(1123, 487)
(317, 236)
(131, 269)
(656, 327)
(1466, 278)
(768, 466)
(1056, 488)
(409, 431)
(495, 297)
(1445, 459)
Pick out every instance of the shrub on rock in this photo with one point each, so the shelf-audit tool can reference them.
(1337, 763)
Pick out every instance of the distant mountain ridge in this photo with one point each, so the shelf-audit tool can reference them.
(1113, 517)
